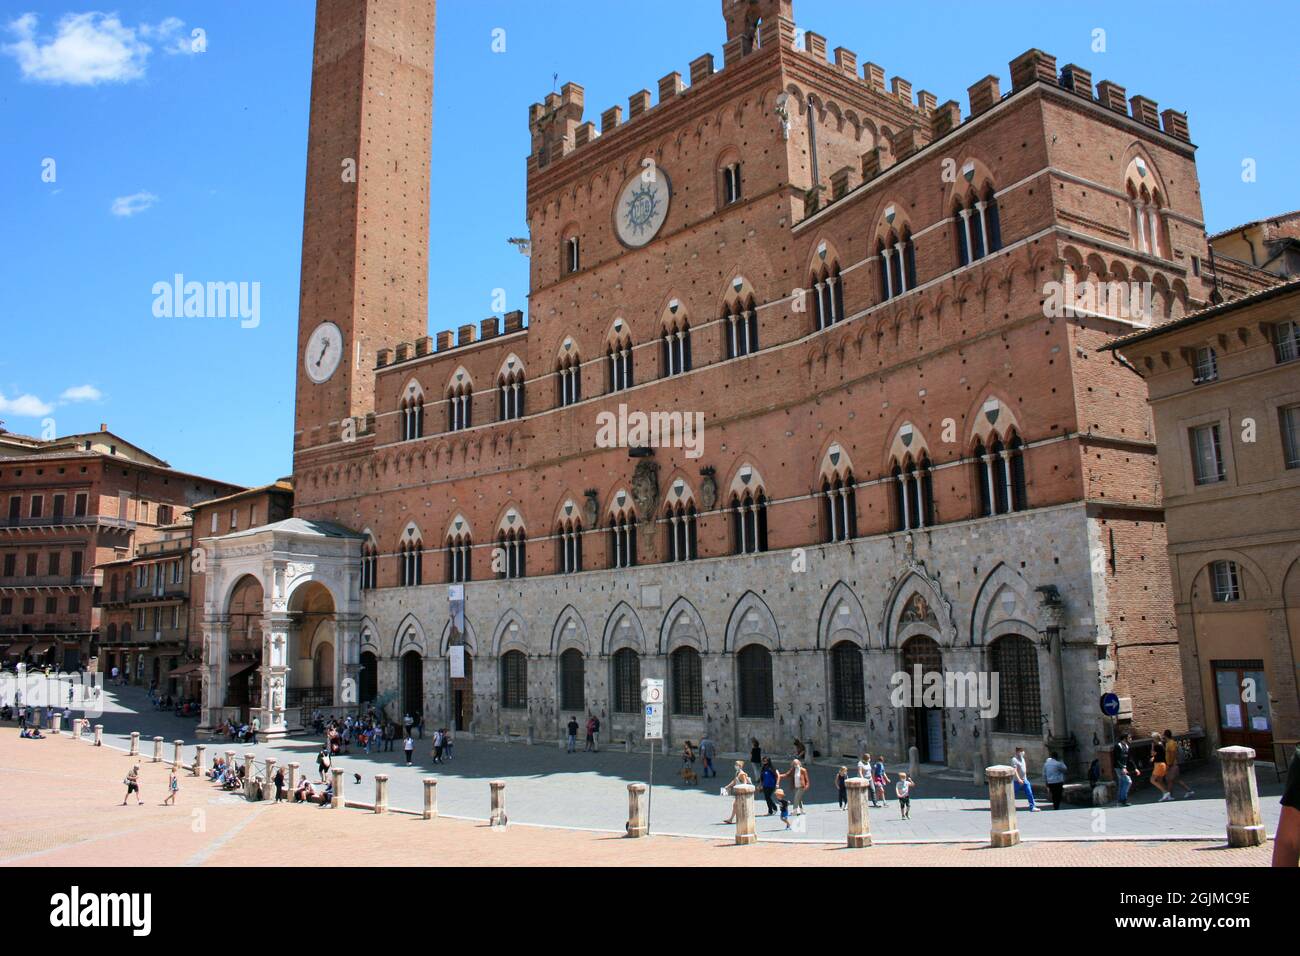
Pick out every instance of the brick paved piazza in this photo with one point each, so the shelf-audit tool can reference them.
(63, 807)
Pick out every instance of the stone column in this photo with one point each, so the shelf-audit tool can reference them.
(430, 798)
(176, 753)
(1002, 805)
(291, 780)
(157, 749)
(215, 671)
(199, 766)
(347, 663)
(638, 824)
(337, 774)
(248, 765)
(270, 775)
(498, 817)
(56, 724)
(275, 674)
(859, 823)
(914, 762)
(744, 797)
(230, 758)
(381, 793)
(135, 742)
(1245, 826)
(99, 735)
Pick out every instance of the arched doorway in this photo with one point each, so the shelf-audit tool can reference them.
(923, 727)
(368, 679)
(412, 684)
(243, 670)
(462, 696)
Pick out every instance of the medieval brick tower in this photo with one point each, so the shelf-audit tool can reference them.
(365, 250)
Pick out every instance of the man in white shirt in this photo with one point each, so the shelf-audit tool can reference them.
(1022, 777)
(409, 747)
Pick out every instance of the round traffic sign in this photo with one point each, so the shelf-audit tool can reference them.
(1110, 704)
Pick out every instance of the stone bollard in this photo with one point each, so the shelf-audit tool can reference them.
(99, 735)
(914, 763)
(270, 775)
(859, 823)
(337, 774)
(1002, 804)
(176, 753)
(135, 743)
(157, 750)
(76, 728)
(627, 745)
(638, 825)
(291, 780)
(744, 808)
(430, 797)
(199, 768)
(1245, 826)
(381, 793)
(498, 817)
(56, 724)
(248, 765)
(230, 758)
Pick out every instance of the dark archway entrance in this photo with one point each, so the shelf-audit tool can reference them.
(924, 725)
(462, 696)
(368, 679)
(412, 684)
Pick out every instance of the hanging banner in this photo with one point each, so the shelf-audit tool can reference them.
(456, 655)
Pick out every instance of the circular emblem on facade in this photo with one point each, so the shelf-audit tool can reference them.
(642, 207)
(323, 353)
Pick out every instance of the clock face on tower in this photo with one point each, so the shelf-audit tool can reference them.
(324, 350)
(642, 207)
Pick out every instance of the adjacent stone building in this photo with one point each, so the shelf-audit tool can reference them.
(884, 440)
(1225, 391)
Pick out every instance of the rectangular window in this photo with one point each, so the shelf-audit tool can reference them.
(29, 605)
(144, 511)
(58, 505)
(51, 605)
(32, 557)
(252, 516)
(79, 507)
(176, 616)
(38, 506)
(1207, 460)
(214, 522)
(74, 604)
(1227, 586)
(234, 518)
(1290, 418)
(139, 619)
(6, 605)
(15, 507)
(1207, 366)
(52, 563)
(1286, 340)
(11, 564)
(77, 560)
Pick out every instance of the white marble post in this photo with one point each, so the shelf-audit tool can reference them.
(270, 775)
(199, 768)
(337, 775)
(176, 753)
(638, 823)
(99, 735)
(248, 765)
(57, 723)
(347, 663)
(275, 674)
(1245, 825)
(381, 793)
(135, 742)
(157, 750)
(1002, 806)
(430, 798)
(859, 823)
(291, 780)
(744, 797)
(215, 670)
(498, 817)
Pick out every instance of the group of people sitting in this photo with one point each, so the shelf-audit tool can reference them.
(227, 773)
(237, 731)
(306, 793)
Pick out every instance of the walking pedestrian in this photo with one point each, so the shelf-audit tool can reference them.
(864, 773)
(707, 752)
(799, 783)
(842, 787)
(448, 744)
(1159, 767)
(688, 764)
(1054, 776)
(408, 745)
(595, 733)
(323, 762)
(730, 789)
(173, 785)
(1286, 841)
(438, 742)
(1122, 760)
(132, 782)
(785, 807)
(903, 790)
(767, 779)
(756, 758)
(591, 734)
(573, 735)
(1021, 769)
(279, 784)
(879, 778)
(1172, 773)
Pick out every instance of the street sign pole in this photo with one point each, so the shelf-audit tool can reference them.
(650, 795)
(652, 695)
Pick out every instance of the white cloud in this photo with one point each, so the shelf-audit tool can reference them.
(134, 203)
(25, 406)
(81, 393)
(90, 48)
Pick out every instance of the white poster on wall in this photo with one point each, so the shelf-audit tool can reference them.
(456, 654)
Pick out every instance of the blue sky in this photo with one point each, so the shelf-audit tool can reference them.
(168, 160)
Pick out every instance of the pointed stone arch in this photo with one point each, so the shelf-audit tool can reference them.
(469, 637)
(683, 626)
(623, 629)
(570, 630)
(409, 636)
(1003, 603)
(510, 633)
(916, 581)
(842, 618)
(751, 622)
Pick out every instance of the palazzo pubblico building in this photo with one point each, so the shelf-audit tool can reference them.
(879, 444)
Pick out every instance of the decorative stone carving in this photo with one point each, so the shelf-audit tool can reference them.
(591, 510)
(708, 492)
(645, 492)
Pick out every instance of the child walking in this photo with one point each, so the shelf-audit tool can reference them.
(903, 789)
(173, 785)
(785, 806)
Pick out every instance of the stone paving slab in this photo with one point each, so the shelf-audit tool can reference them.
(545, 785)
(64, 808)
